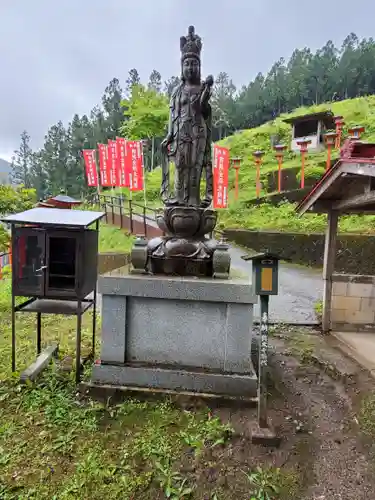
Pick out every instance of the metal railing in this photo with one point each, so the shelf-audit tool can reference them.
(5, 260)
(125, 208)
(121, 208)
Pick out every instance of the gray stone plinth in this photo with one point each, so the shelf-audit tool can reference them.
(176, 323)
(184, 380)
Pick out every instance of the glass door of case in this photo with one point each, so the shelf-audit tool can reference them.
(29, 261)
(61, 253)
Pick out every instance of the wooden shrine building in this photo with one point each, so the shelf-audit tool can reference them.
(347, 188)
(311, 127)
(60, 201)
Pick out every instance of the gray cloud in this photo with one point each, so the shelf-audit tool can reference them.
(57, 57)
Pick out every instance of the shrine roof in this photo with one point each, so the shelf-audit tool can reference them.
(322, 115)
(59, 217)
(62, 198)
(349, 185)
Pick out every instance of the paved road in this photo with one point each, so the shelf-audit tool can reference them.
(299, 289)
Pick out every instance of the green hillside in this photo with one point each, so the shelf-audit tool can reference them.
(282, 217)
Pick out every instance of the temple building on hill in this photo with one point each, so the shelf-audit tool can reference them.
(59, 201)
(311, 127)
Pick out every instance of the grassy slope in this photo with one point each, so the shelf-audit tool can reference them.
(355, 111)
(112, 239)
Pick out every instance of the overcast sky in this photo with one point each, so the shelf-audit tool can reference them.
(56, 57)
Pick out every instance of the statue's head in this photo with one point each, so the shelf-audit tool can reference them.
(191, 46)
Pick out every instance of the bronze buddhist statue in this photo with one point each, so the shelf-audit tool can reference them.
(188, 143)
(187, 247)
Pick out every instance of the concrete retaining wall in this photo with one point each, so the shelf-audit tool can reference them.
(109, 261)
(353, 302)
(355, 252)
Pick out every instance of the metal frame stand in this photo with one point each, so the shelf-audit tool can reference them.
(64, 307)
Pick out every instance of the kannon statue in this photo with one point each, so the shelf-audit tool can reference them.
(188, 142)
(187, 246)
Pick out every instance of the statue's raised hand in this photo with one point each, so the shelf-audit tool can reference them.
(165, 143)
(209, 81)
(207, 86)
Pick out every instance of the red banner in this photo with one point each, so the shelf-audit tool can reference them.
(112, 163)
(103, 165)
(221, 168)
(135, 164)
(123, 171)
(90, 164)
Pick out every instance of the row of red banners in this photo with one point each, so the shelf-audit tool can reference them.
(121, 165)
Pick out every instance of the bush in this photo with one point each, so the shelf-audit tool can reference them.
(13, 200)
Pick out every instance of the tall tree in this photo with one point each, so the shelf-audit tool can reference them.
(154, 82)
(170, 85)
(223, 103)
(55, 156)
(20, 167)
(38, 174)
(133, 79)
(113, 113)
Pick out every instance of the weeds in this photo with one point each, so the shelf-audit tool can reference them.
(264, 483)
(205, 434)
(367, 415)
(172, 483)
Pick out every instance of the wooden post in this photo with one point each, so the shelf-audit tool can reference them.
(263, 363)
(328, 267)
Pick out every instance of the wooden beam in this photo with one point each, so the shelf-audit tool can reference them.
(320, 190)
(355, 201)
(41, 362)
(328, 267)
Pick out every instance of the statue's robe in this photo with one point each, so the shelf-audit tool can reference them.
(190, 146)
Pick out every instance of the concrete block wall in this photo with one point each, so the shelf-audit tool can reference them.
(353, 302)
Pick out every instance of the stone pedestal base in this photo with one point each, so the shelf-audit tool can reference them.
(177, 333)
(176, 379)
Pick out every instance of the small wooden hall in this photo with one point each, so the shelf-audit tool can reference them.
(347, 188)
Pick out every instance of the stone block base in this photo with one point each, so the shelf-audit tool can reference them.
(243, 385)
(353, 303)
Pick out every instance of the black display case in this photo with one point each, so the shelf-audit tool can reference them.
(54, 264)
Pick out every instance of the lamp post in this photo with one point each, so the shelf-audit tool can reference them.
(330, 140)
(356, 132)
(236, 163)
(279, 148)
(258, 155)
(303, 143)
(339, 122)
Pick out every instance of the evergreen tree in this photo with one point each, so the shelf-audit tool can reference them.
(113, 113)
(21, 162)
(55, 157)
(38, 175)
(170, 85)
(154, 82)
(223, 103)
(133, 79)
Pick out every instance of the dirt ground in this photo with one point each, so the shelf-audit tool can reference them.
(316, 404)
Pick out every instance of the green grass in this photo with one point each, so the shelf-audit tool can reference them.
(282, 218)
(54, 445)
(367, 415)
(113, 239)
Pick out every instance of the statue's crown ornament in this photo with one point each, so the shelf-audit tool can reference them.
(191, 45)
